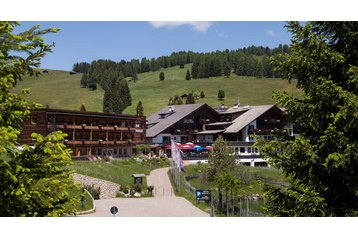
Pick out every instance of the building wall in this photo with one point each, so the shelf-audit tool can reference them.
(88, 134)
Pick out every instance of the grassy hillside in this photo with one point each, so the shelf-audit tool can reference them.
(155, 94)
(59, 89)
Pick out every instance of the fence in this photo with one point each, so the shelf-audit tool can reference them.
(242, 207)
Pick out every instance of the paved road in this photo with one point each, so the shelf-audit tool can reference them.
(163, 204)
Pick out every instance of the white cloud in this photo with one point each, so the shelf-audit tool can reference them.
(201, 26)
(270, 33)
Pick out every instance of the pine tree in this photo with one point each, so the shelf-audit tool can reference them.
(187, 76)
(140, 109)
(83, 108)
(321, 162)
(202, 94)
(84, 80)
(227, 68)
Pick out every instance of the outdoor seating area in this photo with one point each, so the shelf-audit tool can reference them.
(191, 150)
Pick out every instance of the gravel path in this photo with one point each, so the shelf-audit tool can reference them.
(163, 204)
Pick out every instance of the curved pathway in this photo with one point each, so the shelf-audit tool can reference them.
(163, 204)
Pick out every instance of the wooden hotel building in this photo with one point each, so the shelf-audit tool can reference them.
(89, 133)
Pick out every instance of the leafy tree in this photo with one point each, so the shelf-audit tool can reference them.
(139, 109)
(202, 94)
(83, 108)
(221, 163)
(322, 161)
(221, 95)
(187, 76)
(161, 76)
(36, 180)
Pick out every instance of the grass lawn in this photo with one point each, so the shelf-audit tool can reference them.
(85, 204)
(155, 94)
(255, 178)
(118, 171)
(59, 89)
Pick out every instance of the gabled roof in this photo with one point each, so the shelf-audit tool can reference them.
(247, 117)
(165, 118)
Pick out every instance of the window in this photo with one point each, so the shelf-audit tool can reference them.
(236, 150)
(242, 149)
(251, 127)
(249, 150)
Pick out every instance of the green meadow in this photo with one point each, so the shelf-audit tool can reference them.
(59, 89)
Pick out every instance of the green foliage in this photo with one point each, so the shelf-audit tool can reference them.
(140, 109)
(161, 76)
(35, 181)
(322, 161)
(190, 99)
(221, 95)
(187, 76)
(95, 191)
(202, 94)
(83, 108)
(83, 81)
(143, 147)
(117, 95)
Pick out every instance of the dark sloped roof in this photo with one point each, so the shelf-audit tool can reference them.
(247, 117)
(180, 112)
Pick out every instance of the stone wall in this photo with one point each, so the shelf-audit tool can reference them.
(108, 189)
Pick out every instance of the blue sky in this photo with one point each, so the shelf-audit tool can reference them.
(79, 41)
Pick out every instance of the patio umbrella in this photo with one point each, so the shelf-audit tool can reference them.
(209, 147)
(198, 147)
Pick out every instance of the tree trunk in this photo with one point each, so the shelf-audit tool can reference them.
(220, 202)
(227, 202)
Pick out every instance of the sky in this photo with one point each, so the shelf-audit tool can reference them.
(85, 41)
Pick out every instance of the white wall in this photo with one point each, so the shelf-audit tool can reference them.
(245, 131)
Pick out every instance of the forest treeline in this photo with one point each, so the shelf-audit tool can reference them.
(248, 61)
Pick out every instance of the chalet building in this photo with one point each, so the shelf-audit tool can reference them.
(238, 125)
(179, 122)
(89, 133)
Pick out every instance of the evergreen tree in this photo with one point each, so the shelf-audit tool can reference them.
(190, 99)
(187, 76)
(221, 95)
(161, 76)
(140, 109)
(84, 80)
(83, 108)
(321, 162)
(134, 75)
(227, 68)
(202, 94)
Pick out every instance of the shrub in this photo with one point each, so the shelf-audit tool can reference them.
(150, 190)
(137, 187)
(93, 190)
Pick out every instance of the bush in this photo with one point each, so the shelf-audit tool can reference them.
(150, 190)
(137, 187)
(93, 190)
